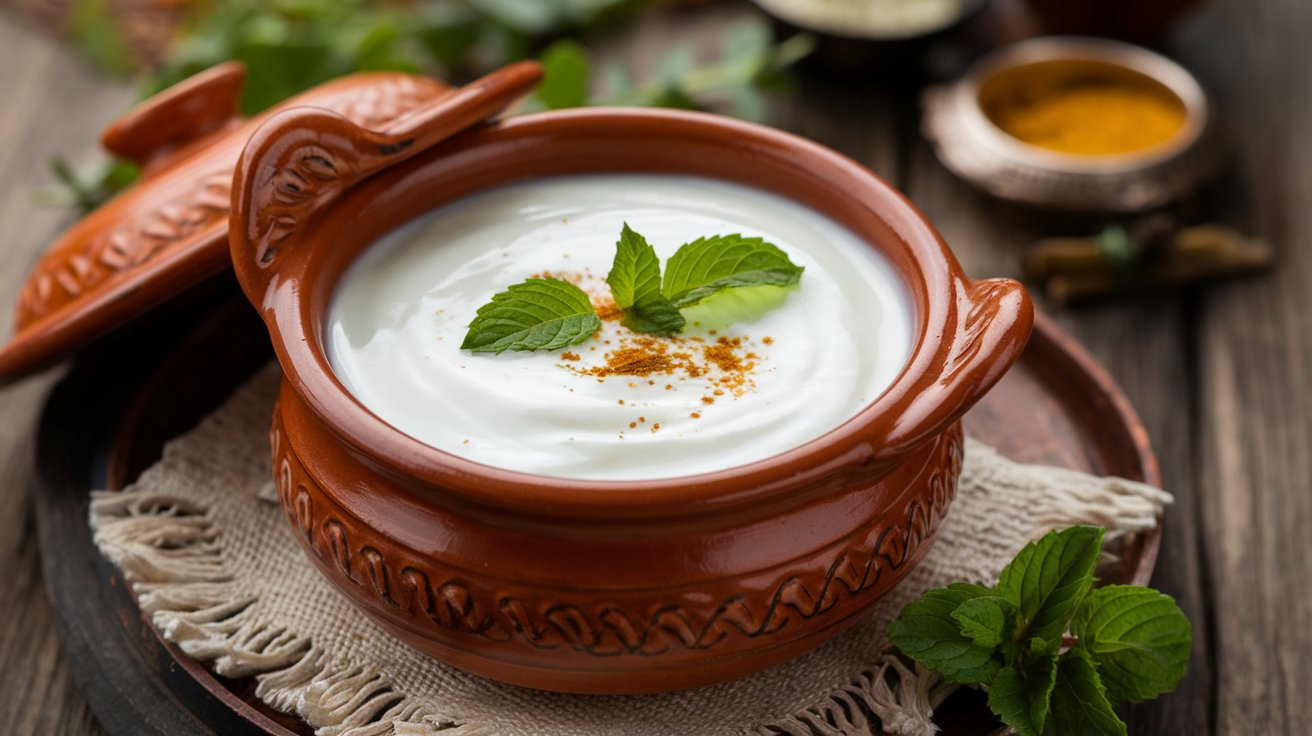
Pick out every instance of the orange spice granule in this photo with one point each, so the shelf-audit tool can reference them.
(723, 354)
(721, 364)
(573, 278)
(607, 309)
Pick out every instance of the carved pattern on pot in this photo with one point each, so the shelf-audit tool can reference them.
(459, 607)
(202, 209)
(981, 307)
(310, 173)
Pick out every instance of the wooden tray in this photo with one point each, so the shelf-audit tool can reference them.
(109, 418)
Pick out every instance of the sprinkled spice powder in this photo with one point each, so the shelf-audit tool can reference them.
(572, 277)
(607, 309)
(723, 365)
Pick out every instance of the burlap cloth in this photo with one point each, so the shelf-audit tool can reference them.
(214, 563)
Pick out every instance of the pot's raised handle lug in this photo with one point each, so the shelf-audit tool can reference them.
(303, 158)
(187, 111)
(994, 320)
(998, 321)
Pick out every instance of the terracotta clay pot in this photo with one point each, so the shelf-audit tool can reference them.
(595, 586)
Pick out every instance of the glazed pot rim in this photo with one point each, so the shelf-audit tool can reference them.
(940, 300)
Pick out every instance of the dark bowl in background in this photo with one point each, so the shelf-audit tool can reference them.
(865, 56)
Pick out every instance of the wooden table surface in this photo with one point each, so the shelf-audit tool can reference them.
(1221, 375)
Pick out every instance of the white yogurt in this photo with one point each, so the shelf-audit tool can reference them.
(831, 346)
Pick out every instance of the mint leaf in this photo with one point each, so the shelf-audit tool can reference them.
(1079, 703)
(1138, 638)
(926, 632)
(987, 621)
(736, 306)
(1049, 578)
(1022, 698)
(707, 265)
(655, 315)
(539, 314)
(635, 270)
(1039, 645)
(635, 282)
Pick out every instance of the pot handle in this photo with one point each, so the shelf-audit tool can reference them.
(302, 158)
(181, 114)
(995, 317)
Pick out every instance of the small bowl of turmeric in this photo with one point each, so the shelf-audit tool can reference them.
(1075, 123)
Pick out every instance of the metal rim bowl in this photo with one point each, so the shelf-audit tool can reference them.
(969, 143)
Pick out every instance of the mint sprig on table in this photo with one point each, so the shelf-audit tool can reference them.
(1055, 655)
(549, 314)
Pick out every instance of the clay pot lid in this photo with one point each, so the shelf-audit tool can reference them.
(169, 232)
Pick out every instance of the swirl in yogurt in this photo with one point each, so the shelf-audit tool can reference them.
(787, 375)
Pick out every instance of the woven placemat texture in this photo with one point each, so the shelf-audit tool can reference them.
(215, 566)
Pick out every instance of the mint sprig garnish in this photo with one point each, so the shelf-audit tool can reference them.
(707, 265)
(695, 271)
(538, 314)
(1131, 643)
(635, 283)
(548, 314)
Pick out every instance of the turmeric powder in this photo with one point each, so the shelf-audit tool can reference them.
(1090, 114)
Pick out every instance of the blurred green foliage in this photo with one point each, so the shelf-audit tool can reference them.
(98, 40)
(291, 45)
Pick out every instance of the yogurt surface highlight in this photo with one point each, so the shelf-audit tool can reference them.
(785, 375)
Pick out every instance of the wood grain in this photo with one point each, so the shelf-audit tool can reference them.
(1255, 371)
(1222, 377)
(52, 105)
